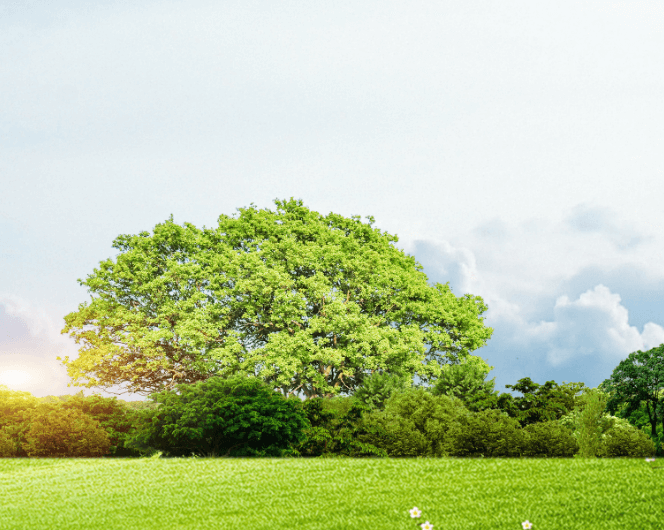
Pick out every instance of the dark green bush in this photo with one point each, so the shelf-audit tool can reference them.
(549, 439)
(415, 423)
(539, 403)
(627, 441)
(239, 416)
(336, 428)
(489, 433)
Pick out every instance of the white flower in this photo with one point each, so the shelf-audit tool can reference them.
(415, 512)
(426, 526)
(650, 459)
(527, 525)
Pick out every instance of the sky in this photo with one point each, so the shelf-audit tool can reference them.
(515, 148)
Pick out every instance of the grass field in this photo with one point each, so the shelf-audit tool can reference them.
(327, 494)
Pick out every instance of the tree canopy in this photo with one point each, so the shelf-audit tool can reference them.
(302, 301)
(467, 381)
(637, 379)
(540, 403)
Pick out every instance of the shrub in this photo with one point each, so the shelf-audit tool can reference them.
(549, 439)
(240, 416)
(627, 441)
(55, 432)
(112, 415)
(415, 423)
(619, 429)
(336, 429)
(8, 445)
(489, 433)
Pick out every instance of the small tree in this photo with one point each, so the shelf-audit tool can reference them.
(591, 425)
(539, 403)
(467, 382)
(636, 380)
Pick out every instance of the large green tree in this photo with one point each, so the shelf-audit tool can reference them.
(637, 379)
(304, 302)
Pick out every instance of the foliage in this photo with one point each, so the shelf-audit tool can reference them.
(466, 381)
(337, 429)
(9, 446)
(378, 387)
(240, 415)
(627, 441)
(618, 437)
(639, 379)
(489, 433)
(539, 403)
(113, 415)
(549, 439)
(591, 423)
(640, 419)
(301, 301)
(13, 404)
(416, 423)
(52, 431)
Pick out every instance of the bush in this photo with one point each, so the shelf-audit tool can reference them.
(112, 415)
(8, 445)
(549, 439)
(489, 433)
(51, 431)
(627, 441)
(617, 436)
(415, 423)
(336, 429)
(240, 416)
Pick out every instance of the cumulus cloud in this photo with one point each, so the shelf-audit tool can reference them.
(552, 298)
(596, 324)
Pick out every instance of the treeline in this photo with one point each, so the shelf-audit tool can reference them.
(386, 417)
(308, 303)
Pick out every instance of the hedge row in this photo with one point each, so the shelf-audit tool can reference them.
(244, 417)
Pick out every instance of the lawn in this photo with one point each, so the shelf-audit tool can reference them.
(331, 493)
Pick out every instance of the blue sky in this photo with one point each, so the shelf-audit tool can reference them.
(515, 149)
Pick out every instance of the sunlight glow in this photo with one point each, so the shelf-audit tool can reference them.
(14, 378)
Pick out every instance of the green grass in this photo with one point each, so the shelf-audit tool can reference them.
(328, 494)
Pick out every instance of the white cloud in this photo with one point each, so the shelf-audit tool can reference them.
(595, 324)
(517, 272)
